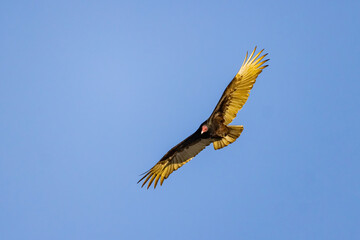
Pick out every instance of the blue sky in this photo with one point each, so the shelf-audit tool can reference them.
(94, 93)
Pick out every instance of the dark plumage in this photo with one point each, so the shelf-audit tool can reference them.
(215, 129)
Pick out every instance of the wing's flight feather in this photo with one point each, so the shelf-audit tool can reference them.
(238, 91)
(175, 158)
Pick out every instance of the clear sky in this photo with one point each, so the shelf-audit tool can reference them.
(94, 93)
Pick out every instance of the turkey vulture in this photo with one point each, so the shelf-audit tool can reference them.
(215, 129)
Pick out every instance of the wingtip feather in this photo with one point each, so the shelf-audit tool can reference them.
(151, 180)
(245, 58)
(162, 180)
(156, 180)
(146, 179)
(252, 54)
(256, 56)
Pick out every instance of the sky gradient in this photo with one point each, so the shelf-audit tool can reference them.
(92, 94)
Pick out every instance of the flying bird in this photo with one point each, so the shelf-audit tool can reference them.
(215, 129)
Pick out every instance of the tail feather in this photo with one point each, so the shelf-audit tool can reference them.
(233, 134)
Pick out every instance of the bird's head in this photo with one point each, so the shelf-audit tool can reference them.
(204, 128)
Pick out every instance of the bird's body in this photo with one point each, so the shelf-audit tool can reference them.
(215, 129)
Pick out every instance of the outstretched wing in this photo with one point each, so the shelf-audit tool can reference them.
(237, 92)
(175, 158)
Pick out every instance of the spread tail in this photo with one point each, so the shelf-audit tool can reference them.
(233, 134)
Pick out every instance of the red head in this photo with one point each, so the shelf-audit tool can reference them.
(204, 129)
